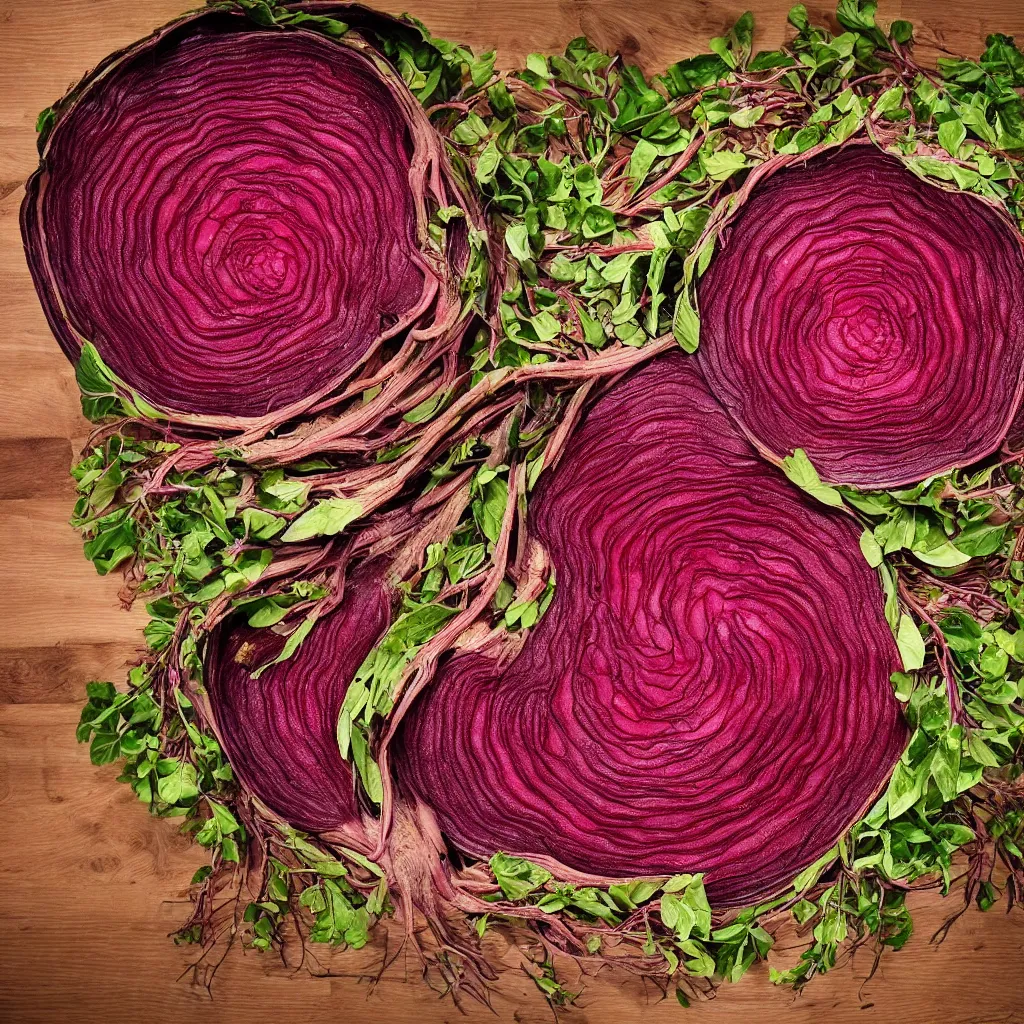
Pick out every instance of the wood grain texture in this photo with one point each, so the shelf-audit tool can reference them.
(89, 885)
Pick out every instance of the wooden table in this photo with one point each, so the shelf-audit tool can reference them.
(90, 885)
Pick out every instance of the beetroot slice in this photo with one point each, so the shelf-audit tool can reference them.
(279, 730)
(710, 688)
(868, 317)
(227, 213)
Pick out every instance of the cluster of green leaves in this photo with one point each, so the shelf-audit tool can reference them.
(814, 69)
(915, 828)
(987, 660)
(940, 522)
(918, 825)
(341, 914)
(173, 767)
(437, 70)
(845, 908)
(131, 725)
(685, 939)
(977, 114)
(422, 614)
(371, 693)
(547, 181)
(206, 535)
(936, 521)
(272, 15)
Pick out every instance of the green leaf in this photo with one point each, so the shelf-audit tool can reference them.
(1012, 643)
(226, 821)
(677, 916)
(730, 933)
(291, 645)
(859, 15)
(517, 877)
(686, 323)
(746, 117)
(799, 470)
(427, 408)
(870, 549)
(687, 76)
(261, 525)
(901, 31)
(633, 894)
(904, 790)
(845, 127)
(517, 238)
(325, 519)
(723, 163)
(640, 161)
(981, 539)
(176, 781)
(202, 874)
(952, 135)
(980, 751)
(259, 12)
(945, 763)
(369, 772)
(100, 692)
(812, 873)
(597, 221)
(910, 644)
(769, 60)
(700, 963)
(329, 26)
(804, 910)
(903, 685)
(487, 163)
(944, 556)
(489, 509)
(891, 100)
(994, 662)
(103, 392)
(280, 494)
(105, 747)
(45, 120)
(133, 743)
(677, 883)
(538, 64)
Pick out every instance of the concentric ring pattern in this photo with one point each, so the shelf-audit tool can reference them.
(868, 317)
(279, 729)
(1015, 435)
(228, 216)
(709, 690)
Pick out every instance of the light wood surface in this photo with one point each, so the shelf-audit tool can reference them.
(90, 885)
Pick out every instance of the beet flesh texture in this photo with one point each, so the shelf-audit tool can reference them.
(1015, 435)
(279, 730)
(868, 317)
(228, 217)
(709, 689)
